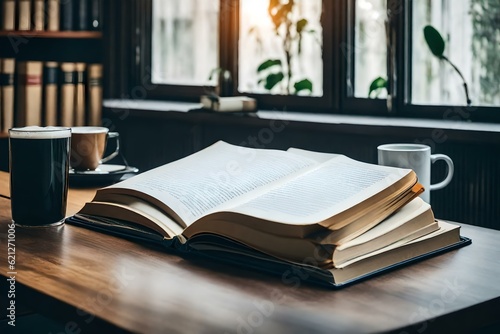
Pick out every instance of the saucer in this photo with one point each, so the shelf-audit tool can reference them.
(104, 174)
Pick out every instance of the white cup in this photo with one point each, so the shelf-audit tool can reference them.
(419, 158)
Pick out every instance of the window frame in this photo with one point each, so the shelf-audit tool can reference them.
(338, 73)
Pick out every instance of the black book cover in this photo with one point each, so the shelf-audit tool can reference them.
(67, 8)
(82, 15)
(95, 17)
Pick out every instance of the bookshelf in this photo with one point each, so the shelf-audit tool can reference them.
(67, 44)
(61, 46)
(52, 34)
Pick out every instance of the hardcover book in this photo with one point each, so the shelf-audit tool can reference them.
(79, 119)
(67, 16)
(67, 90)
(94, 83)
(38, 15)
(335, 219)
(7, 69)
(53, 17)
(82, 15)
(50, 86)
(29, 93)
(95, 17)
(8, 15)
(24, 11)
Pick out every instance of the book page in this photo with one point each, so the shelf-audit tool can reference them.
(323, 192)
(205, 181)
(316, 156)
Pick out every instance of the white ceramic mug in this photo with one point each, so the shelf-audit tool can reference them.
(419, 158)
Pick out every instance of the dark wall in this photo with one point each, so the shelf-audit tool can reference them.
(151, 139)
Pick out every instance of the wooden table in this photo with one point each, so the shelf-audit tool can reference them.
(89, 281)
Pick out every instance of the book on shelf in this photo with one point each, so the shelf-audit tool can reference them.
(7, 70)
(94, 89)
(38, 15)
(53, 16)
(95, 15)
(50, 87)
(29, 93)
(24, 15)
(8, 15)
(79, 117)
(67, 8)
(82, 15)
(67, 91)
(331, 218)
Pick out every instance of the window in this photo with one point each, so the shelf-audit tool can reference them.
(185, 43)
(347, 56)
(471, 31)
(280, 51)
(371, 46)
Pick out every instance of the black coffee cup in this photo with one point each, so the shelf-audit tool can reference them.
(39, 165)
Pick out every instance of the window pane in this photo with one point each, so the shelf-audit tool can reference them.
(370, 50)
(471, 31)
(185, 42)
(263, 41)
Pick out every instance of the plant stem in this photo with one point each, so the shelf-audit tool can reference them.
(469, 102)
(288, 55)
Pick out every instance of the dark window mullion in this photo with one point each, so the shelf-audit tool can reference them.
(228, 39)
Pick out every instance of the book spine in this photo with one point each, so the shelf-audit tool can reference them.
(95, 15)
(53, 20)
(7, 69)
(2, 84)
(24, 22)
(67, 7)
(8, 15)
(80, 95)
(82, 15)
(95, 94)
(50, 74)
(39, 15)
(29, 98)
(67, 90)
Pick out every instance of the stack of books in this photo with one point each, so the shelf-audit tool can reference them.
(303, 215)
(51, 15)
(49, 93)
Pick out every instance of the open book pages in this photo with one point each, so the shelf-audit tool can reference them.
(278, 192)
(288, 206)
(446, 235)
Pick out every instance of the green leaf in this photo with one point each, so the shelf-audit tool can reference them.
(434, 41)
(301, 85)
(268, 63)
(301, 24)
(273, 79)
(213, 72)
(377, 84)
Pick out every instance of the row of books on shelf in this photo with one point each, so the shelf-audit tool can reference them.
(51, 15)
(49, 93)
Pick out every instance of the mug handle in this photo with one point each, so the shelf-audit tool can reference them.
(449, 162)
(112, 135)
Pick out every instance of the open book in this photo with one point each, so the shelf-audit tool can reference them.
(335, 217)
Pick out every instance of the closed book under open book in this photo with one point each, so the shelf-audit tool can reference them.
(335, 218)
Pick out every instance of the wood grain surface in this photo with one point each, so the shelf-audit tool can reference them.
(140, 288)
(77, 197)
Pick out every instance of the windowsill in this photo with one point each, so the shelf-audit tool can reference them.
(180, 109)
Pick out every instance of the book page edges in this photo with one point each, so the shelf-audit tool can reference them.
(443, 229)
(417, 248)
(126, 213)
(108, 194)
